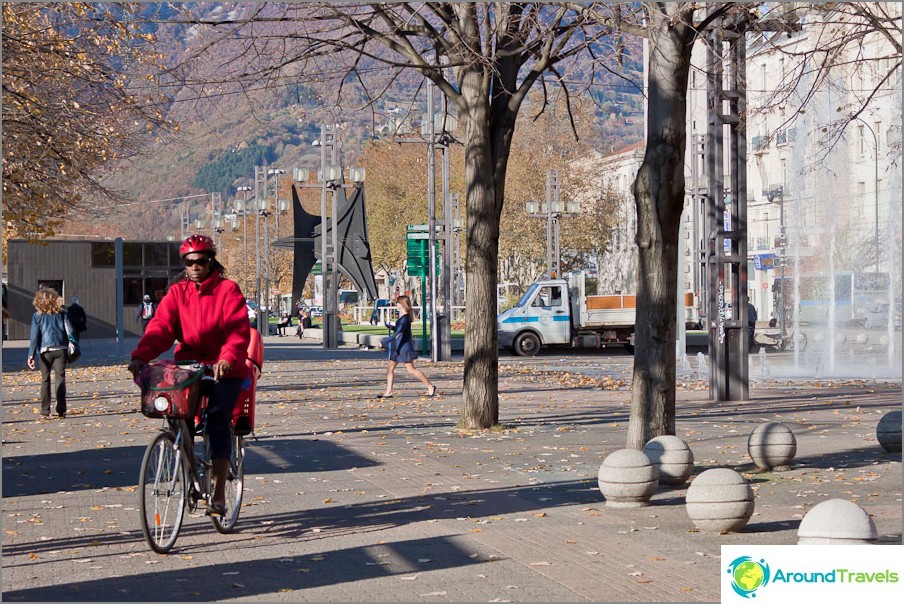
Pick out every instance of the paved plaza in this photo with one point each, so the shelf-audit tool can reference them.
(353, 498)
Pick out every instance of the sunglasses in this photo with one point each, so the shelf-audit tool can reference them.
(202, 261)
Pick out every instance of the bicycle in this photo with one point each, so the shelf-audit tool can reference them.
(176, 468)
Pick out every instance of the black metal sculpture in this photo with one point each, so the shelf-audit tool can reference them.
(354, 247)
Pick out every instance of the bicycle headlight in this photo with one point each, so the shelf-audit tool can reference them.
(161, 403)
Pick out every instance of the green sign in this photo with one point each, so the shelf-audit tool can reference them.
(417, 244)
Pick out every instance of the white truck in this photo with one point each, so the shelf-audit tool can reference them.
(559, 311)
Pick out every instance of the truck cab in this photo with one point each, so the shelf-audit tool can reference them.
(541, 317)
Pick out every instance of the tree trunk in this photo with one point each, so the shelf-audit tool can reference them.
(480, 405)
(659, 199)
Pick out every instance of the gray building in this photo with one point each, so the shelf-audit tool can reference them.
(87, 269)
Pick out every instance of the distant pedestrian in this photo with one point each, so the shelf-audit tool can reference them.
(285, 320)
(401, 349)
(48, 343)
(146, 312)
(77, 316)
(751, 322)
(304, 322)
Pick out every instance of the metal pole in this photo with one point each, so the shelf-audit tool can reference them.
(257, 249)
(444, 322)
(120, 294)
(334, 243)
(784, 244)
(556, 219)
(876, 195)
(550, 268)
(324, 260)
(431, 223)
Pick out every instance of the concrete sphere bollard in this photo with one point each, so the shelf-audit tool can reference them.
(888, 432)
(772, 446)
(627, 479)
(719, 500)
(672, 457)
(862, 338)
(840, 338)
(883, 340)
(836, 522)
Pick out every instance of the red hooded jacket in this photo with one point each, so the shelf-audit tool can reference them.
(208, 319)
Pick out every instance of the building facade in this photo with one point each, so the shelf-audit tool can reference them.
(87, 269)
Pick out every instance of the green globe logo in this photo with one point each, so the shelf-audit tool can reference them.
(748, 575)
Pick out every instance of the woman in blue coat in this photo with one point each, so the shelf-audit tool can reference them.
(48, 342)
(401, 349)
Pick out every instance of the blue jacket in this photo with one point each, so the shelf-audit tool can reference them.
(48, 331)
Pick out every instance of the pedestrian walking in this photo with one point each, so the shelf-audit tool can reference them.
(48, 343)
(751, 323)
(146, 312)
(205, 312)
(78, 318)
(401, 349)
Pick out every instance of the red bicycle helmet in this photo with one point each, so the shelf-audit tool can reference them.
(198, 243)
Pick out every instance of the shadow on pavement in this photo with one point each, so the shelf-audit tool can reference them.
(118, 467)
(441, 505)
(249, 578)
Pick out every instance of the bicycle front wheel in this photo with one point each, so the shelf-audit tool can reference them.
(163, 489)
(234, 487)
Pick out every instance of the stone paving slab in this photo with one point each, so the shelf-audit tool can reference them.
(353, 498)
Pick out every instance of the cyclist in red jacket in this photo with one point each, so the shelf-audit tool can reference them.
(205, 313)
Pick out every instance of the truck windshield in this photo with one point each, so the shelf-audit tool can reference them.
(527, 295)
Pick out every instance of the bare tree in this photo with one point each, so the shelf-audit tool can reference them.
(71, 109)
(484, 57)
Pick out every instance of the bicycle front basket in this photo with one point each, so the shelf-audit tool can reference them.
(170, 390)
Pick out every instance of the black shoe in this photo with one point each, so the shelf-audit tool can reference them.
(385, 396)
(216, 509)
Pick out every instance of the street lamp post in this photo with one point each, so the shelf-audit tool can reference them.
(875, 183)
(241, 207)
(552, 210)
(771, 195)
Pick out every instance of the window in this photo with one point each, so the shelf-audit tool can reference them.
(156, 254)
(862, 141)
(131, 254)
(548, 297)
(103, 255)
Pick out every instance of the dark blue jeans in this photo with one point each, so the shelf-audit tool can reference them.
(223, 396)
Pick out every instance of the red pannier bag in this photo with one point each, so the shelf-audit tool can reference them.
(243, 413)
(170, 390)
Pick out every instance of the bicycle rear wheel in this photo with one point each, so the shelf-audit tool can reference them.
(800, 338)
(234, 487)
(163, 492)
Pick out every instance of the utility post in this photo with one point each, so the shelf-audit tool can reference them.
(454, 243)
(727, 231)
(552, 210)
(259, 194)
(440, 323)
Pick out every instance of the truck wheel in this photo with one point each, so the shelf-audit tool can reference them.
(527, 344)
